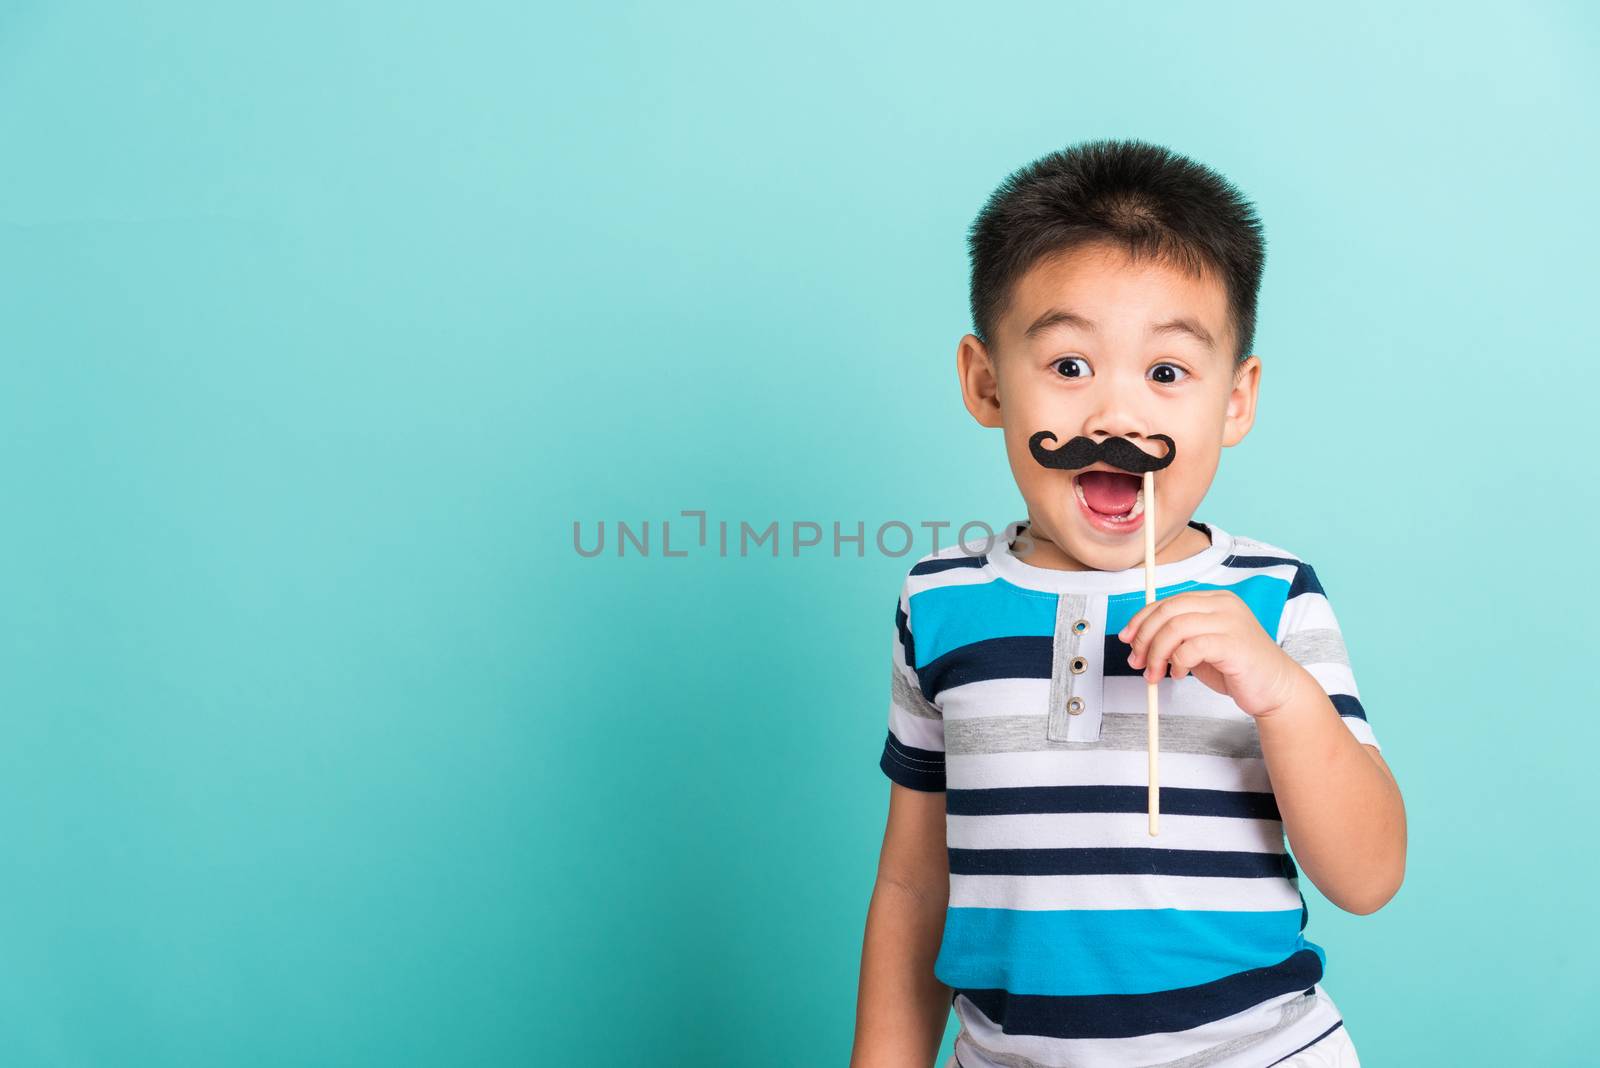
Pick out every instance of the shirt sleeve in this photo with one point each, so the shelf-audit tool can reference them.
(1309, 633)
(913, 751)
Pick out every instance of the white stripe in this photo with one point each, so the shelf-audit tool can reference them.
(955, 576)
(1243, 546)
(918, 731)
(1308, 610)
(1362, 730)
(998, 697)
(1187, 696)
(1085, 830)
(1335, 678)
(1194, 893)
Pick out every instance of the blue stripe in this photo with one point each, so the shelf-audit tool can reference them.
(948, 617)
(1108, 951)
(1120, 607)
(996, 658)
(1264, 595)
(1131, 1015)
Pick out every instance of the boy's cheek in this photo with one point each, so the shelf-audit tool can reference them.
(1047, 493)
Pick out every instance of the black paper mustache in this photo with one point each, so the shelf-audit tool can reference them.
(1118, 452)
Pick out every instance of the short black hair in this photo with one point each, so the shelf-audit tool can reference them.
(1141, 197)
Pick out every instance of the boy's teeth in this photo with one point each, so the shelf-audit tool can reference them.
(1133, 513)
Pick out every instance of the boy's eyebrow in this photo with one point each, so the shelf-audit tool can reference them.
(1062, 317)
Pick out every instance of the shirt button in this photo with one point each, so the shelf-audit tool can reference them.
(1078, 665)
(1074, 705)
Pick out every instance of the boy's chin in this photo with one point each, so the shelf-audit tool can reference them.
(1119, 556)
(1081, 541)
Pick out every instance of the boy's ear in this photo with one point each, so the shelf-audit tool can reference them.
(1241, 411)
(980, 383)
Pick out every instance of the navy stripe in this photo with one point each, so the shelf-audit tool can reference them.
(933, 567)
(1175, 800)
(1116, 659)
(1336, 1025)
(919, 769)
(1026, 657)
(903, 624)
(1305, 581)
(1132, 1015)
(1108, 860)
(1346, 705)
(1258, 561)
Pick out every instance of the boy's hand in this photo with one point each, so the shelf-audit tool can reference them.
(1213, 635)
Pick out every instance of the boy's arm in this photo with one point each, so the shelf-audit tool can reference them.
(901, 1008)
(1341, 806)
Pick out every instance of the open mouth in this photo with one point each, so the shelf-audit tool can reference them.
(1112, 500)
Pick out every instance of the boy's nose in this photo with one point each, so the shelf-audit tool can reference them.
(1119, 423)
(1114, 412)
(1137, 436)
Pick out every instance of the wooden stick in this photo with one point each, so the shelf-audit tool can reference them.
(1152, 720)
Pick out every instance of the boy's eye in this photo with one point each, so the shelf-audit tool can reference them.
(1067, 369)
(1168, 372)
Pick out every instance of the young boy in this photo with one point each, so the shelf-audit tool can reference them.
(1114, 289)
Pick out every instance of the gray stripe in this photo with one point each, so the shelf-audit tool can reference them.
(1204, 735)
(910, 697)
(1318, 645)
(1288, 1015)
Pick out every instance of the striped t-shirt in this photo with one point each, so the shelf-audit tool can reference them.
(1073, 937)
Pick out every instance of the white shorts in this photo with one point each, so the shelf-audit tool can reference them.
(1334, 1050)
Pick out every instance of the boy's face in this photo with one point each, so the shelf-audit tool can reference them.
(1111, 364)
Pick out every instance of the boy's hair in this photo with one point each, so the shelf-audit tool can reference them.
(1141, 197)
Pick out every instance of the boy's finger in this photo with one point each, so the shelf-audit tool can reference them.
(1139, 618)
(1164, 640)
(1138, 631)
(1188, 655)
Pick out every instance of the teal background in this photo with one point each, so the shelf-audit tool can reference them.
(320, 325)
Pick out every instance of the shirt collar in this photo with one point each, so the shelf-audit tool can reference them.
(1028, 576)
